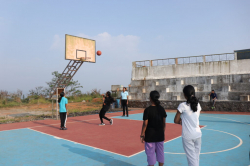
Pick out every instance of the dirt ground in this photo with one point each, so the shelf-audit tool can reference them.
(39, 109)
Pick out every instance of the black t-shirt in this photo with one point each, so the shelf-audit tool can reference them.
(107, 103)
(154, 131)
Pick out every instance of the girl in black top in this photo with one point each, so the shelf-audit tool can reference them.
(153, 129)
(105, 107)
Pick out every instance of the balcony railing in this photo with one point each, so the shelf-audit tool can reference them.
(186, 60)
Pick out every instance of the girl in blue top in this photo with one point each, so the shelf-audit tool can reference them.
(63, 110)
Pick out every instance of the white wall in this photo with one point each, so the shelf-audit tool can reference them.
(191, 70)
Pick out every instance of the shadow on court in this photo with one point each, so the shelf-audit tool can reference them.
(88, 122)
(44, 124)
(103, 158)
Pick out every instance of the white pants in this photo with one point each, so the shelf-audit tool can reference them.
(192, 148)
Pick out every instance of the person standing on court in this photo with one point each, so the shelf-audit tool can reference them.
(105, 107)
(188, 116)
(63, 110)
(153, 130)
(124, 101)
(213, 98)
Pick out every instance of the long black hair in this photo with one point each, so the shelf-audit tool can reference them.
(155, 95)
(111, 99)
(189, 92)
(60, 98)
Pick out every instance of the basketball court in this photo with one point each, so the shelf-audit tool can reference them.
(225, 141)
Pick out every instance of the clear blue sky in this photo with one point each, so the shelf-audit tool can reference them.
(32, 36)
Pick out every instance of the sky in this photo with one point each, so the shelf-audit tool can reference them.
(32, 36)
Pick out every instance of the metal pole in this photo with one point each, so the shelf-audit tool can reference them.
(56, 103)
(52, 108)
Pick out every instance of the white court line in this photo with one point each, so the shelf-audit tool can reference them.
(225, 118)
(144, 150)
(78, 143)
(164, 143)
(13, 129)
(48, 125)
(241, 142)
(67, 122)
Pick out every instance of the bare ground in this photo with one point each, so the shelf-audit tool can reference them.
(44, 109)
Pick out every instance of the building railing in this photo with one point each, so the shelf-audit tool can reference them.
(186, 60)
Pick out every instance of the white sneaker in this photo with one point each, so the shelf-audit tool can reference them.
(102, 124)
(111, 121)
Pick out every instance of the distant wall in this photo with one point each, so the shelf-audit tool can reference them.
(227, 87)
(229, 77)
(191, 69)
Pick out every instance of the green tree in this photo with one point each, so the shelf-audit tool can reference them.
(72, 87)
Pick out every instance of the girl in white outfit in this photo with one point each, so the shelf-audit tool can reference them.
(188, 116)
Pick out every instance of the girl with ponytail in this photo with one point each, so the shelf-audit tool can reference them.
(153, 130)
(105, 107)
(62, 101)
(188, 116)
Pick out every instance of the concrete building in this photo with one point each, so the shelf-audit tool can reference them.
(228, 74)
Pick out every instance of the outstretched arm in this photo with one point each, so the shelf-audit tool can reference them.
(144, 127)
(177, 118)
(164, 124)
(103, 99)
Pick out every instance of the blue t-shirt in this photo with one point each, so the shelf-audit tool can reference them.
(213, 95)
(124, 95)
(62, 104)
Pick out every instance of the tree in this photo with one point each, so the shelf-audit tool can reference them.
(38, 91)
(72, 87)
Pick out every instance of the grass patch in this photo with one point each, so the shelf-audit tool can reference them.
(24, 119)
(9, 104)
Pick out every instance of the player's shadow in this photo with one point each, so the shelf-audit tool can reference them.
(103, 158)
(47, 125)
(84, 121)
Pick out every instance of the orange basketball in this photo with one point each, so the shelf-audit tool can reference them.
(99, 53)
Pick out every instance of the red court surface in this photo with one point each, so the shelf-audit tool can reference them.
(121, 138)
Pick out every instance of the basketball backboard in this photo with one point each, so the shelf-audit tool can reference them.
(78, 47)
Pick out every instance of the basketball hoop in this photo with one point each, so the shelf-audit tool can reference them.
(82, 59)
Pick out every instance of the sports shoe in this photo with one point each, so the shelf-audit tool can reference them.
(102, 124)
(61, 128)
(64, 128)
(111, 121)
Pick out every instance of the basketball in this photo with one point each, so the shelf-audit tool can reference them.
(99, 53)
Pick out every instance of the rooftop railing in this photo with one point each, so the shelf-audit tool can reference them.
(186, 60)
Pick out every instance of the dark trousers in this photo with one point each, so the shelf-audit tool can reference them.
(212, 101)
(125, 106)
(102, 114)
(63, 117)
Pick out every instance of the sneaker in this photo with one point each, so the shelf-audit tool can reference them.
(64, 128)
(123, 115)
(111, 121)
(61, 128)
(127, 115)
(102, 124)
